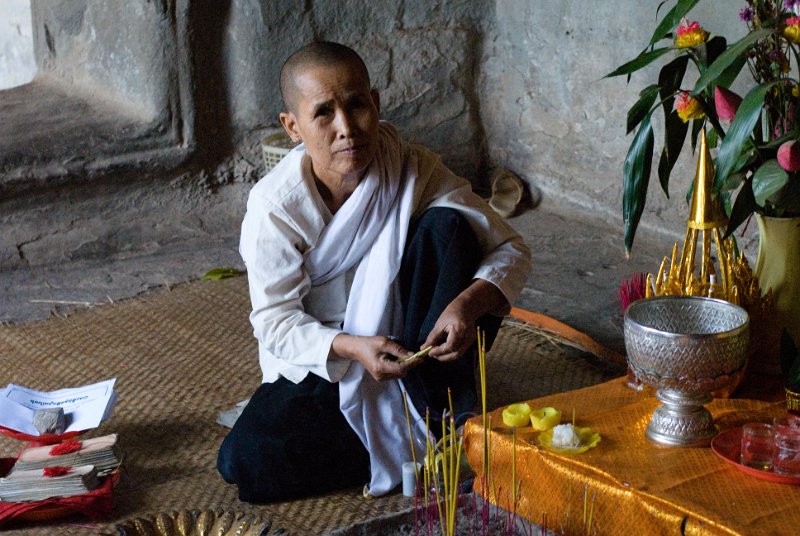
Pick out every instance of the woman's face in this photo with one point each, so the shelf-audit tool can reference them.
(337, 118)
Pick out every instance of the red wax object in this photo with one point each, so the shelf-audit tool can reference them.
(71, 445)
(56, 470)
(41, 440)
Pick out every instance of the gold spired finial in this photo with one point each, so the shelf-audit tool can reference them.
(706, 210)
(720, 273)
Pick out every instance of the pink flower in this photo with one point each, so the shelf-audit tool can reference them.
(726, 102)
(789, 156)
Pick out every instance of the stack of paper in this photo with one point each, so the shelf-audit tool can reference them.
(33, 485)
(101, 452)
(84, 407)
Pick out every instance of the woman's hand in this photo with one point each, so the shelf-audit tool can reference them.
(380, 356)
(452, 334)
(455, 329)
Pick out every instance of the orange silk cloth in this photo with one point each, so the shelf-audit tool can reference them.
(628, 484)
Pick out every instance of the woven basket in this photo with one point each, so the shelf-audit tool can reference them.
(275, 147)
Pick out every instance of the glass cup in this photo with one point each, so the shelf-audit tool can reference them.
(758, 445)
(786, 458)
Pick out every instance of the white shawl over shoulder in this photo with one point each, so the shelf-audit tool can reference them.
(370, 231)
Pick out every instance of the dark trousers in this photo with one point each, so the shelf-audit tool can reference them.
(292, 441)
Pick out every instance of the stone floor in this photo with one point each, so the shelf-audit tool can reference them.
(579, 262)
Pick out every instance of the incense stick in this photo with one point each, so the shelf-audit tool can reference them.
(419, 355)
(411, 438)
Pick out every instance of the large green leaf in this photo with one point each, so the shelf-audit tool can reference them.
(706, 53)
(726, 77)
(671, 19)
(637, 112)
(738, 135)
(669, 81)
(727, 58)
(636, 177)
(768, 180)
(642, 60)
(743, 207)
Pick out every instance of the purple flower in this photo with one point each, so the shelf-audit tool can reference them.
(791, 4)
(747, 14)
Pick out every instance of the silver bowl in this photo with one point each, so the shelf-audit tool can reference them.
(685, 347)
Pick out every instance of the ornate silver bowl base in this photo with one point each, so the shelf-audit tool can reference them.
(686, 347)
(682, 420)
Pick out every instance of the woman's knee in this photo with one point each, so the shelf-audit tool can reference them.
(445, 222)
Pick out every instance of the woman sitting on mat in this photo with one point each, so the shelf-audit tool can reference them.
(360, 249)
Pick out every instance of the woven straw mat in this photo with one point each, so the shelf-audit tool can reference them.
(181, 356)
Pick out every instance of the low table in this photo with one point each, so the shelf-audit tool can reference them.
(627, 483)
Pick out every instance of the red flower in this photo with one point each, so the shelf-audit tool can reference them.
(726, 103)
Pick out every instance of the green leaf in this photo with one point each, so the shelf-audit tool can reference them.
(777, 142)
(711, 138)
(642, 60)
(636, 177)
(739, 132)
(220, 273)
(726, 77)
(728, 57)
(671, 19)
(637, 112)
(733, 182)
(674, 136)
(714, 48)
(744, 161)
(768, 180)
(743, 207)
(669, 81)
(697, 126)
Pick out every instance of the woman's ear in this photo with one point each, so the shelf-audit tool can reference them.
(289, 122)
(376, 99)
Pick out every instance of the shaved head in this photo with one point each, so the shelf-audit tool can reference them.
(312, 55)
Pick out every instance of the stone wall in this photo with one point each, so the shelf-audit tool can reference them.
(17, 65)
(551, 116)
(185, 89)
(422, 56)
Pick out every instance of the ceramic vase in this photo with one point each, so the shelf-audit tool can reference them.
(778, 268)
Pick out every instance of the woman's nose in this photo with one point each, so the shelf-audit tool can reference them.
(344, 124)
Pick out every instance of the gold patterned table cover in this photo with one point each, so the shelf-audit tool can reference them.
(627, 483)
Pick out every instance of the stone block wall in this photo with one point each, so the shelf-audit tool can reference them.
(190, 86)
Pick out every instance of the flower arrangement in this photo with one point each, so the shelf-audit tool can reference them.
(757, 167)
